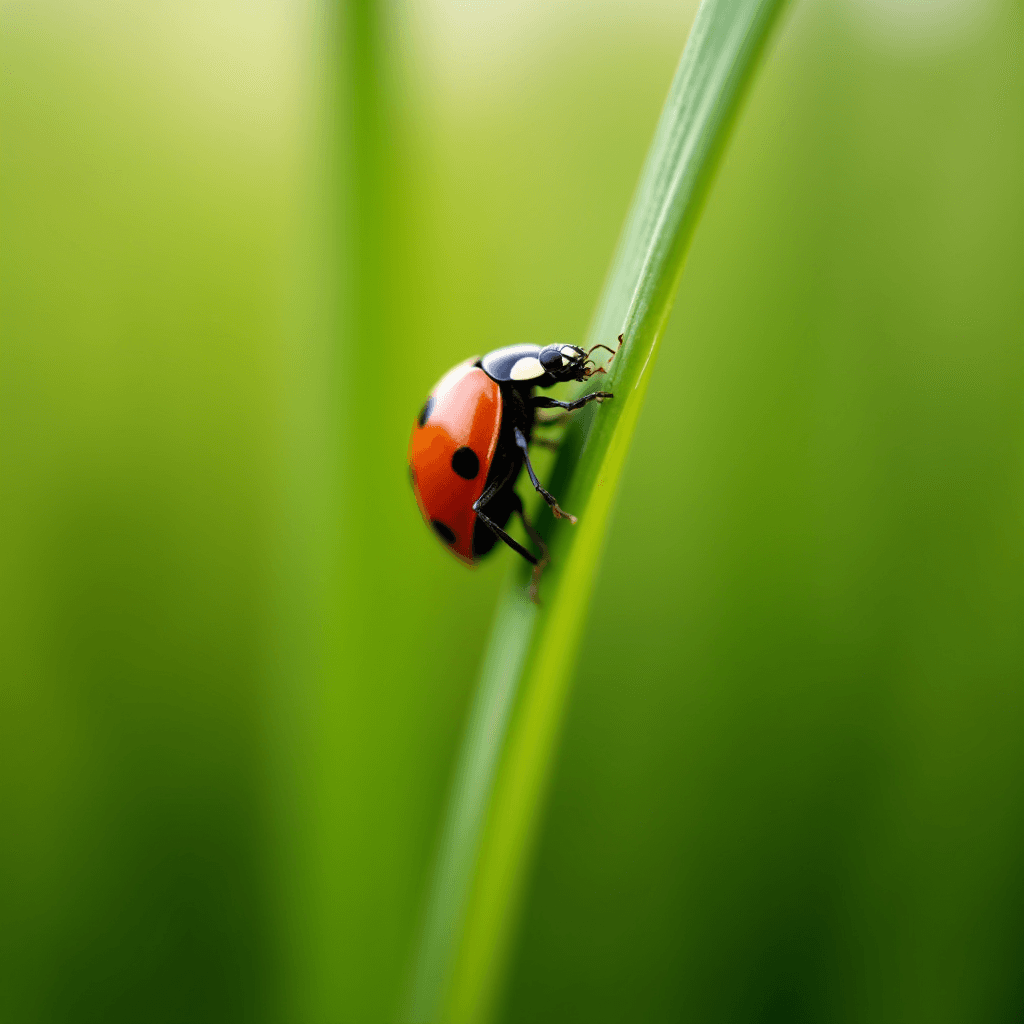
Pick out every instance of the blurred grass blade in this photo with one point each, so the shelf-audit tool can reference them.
(471, 789)
(498, 791)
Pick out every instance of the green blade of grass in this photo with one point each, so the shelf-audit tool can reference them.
(512, 732)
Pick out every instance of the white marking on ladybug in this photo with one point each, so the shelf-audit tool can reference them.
(526, 368)
(568, 353)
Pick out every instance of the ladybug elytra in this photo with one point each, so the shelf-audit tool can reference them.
(472, 438)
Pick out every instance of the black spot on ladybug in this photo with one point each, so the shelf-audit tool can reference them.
(428, 408)
(444, 532)
(465, 463)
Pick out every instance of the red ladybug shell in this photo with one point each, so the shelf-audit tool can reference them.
(451, 450)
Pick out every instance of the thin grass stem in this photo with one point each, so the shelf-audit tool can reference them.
(512, 733)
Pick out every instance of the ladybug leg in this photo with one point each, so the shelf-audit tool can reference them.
(543, 402)
(494, 527)
(539, 541)
(502, 535)
(521, 442)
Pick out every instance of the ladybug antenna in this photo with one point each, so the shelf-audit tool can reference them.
(605, 347)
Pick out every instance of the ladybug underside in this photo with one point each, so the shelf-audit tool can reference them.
(471, 440)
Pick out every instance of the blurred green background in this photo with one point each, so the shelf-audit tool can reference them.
(239, 245)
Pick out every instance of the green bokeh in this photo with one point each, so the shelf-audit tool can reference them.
(235, 664)
(791, 787)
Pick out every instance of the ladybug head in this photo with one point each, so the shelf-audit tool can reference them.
(564, 362)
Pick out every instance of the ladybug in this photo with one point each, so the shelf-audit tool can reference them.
(472, 438)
